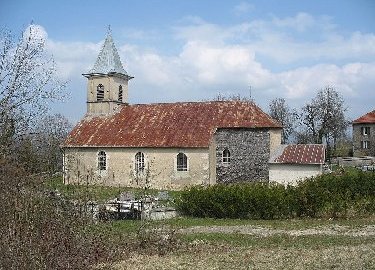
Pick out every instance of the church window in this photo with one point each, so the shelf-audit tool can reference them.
(102, 161)
(120, 93)
(226, 156)
(100, 92)
(181, 162)
(139, 162)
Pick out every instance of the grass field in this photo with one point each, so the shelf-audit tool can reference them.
(241, 244)
(206, 243)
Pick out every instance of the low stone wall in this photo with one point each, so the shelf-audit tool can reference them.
(159, 213)
(355, 161)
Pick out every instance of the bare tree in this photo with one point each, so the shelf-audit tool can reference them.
(280, 111)
(49, 135)
(28, 82)
(323, 119)
(233, 97)
(40, 148)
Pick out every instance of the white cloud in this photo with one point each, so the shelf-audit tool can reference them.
(214, 58)
(73, 58)
(287, 40)
(36, 31)
(243, 8)
(349, 79)
(301, 22)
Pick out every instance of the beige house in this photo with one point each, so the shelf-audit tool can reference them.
(164, 145)
(290, 164)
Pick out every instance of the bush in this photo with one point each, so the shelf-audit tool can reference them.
(39, 230)
(255, 201)
(154, 239)
(329, 195)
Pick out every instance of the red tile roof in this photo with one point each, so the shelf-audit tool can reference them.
(300, 154)
(367, 118)
(190, 124)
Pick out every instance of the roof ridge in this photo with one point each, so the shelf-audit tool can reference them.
(193, 102)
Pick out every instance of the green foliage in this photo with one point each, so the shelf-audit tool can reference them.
(333, 195)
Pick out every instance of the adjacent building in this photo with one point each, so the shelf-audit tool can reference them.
(290, 164)
(364, 135)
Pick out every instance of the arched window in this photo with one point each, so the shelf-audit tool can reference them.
(181, 162)
(139, 162)
(120, 93)
(226, 156)
(102, 161)
(100, 92)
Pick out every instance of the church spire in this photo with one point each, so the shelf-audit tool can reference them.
(107, 81)
(108, 61)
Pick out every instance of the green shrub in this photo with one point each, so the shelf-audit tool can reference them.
(255, 201)
(329, 195)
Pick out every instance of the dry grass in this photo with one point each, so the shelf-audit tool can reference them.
(226, 247)
(207, 256)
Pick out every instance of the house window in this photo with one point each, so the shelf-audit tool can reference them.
(181, 162)
(365, 144)
(139, 162)
(226, 156)
(120, 93)
(100, 92)
(102, 161)
(365, 131)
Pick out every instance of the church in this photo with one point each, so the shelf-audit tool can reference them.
(164, 145)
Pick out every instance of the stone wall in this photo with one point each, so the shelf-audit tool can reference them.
(81, 166)
(358, 137)
(249, 151)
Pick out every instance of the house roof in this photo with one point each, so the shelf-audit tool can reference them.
(299, 154)
(367, 118)
(190, 124)
(108, 60)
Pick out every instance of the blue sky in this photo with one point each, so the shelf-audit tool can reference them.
(193, 50)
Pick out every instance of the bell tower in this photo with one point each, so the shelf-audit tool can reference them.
(107, 85)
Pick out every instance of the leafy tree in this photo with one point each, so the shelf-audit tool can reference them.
(28, 83)
(280, 111)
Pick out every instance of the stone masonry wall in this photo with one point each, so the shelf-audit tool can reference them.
(358, 151)
(249, 151)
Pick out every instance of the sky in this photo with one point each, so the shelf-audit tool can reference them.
(194, 50)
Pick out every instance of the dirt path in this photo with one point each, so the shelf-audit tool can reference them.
(368, 230)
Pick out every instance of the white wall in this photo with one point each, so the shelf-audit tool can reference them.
(292, 173)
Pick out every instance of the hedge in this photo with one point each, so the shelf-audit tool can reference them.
(330, 195)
